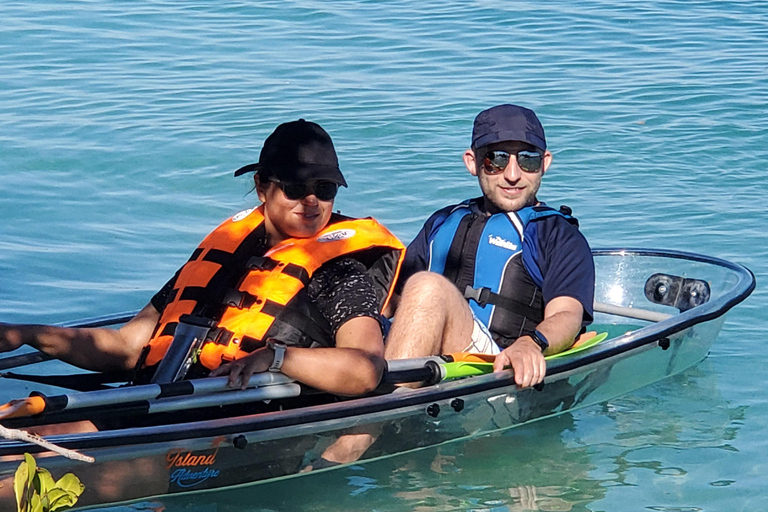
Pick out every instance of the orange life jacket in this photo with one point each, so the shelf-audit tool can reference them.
(244, 293)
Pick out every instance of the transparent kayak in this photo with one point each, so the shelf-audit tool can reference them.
(657, 314)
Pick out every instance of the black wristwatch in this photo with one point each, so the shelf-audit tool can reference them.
(540, 340)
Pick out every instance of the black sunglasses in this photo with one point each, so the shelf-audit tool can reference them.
(322, 190)
(495, 161)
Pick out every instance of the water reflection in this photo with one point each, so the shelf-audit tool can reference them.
(627, 454)
(669, 446)
(531, 466)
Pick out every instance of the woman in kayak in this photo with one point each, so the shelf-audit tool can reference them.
(287, 286)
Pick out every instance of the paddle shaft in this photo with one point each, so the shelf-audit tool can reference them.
(166, 392)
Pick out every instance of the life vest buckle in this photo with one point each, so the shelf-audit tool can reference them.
(261, 263)
(219, 336)
(479, 295)
(240, 300)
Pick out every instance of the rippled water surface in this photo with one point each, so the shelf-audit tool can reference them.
(121, 123)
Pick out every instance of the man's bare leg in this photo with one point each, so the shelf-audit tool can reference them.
(432, 318)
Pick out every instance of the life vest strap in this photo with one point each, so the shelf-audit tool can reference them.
(298, 272)
(169, 329)
(267, 264)
(484, 296)
(218, 256)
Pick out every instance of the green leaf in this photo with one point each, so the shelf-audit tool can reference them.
(37, 492)
(31, 468)
(35, 504)
(20, 485)
(44, 481)
(66, 501)
(71, 484)
(58, 499)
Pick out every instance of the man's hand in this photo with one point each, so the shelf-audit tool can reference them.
(241, 370)
(526, 360)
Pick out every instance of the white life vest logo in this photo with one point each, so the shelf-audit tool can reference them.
(500, 242)
(339, 234)
(241, 215)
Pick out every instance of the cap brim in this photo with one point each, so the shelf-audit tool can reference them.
(310, 173)
(247, 168)
(510, 136)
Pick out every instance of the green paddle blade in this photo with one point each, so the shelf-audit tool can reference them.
(461, 369)
(591, 342)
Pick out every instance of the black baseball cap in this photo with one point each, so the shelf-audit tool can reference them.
(298, 152)
(506, 123)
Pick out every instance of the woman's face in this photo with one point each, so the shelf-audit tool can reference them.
(291, 218)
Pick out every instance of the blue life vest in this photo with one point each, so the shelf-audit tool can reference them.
(483, 256)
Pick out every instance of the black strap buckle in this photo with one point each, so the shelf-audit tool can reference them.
(261, 263)
(479, 295)
(238, 299)
(219, 336)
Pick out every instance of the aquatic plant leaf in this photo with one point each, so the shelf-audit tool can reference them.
(59, 499)
(35, 503)
(43, 481)
(20, 486)
(31, 469)
(36, 490)
(71, 484)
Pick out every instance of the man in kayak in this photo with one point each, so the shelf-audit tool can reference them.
(500, 274)
(288, 286)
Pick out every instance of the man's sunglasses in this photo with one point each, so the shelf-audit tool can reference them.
(495, 161)
(322, 190)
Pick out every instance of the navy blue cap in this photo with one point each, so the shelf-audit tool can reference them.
(507, 123)
(298, 152)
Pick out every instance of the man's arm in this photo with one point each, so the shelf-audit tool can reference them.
(98, 349)
(562, 322)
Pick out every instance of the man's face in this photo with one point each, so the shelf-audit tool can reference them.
(292, 218)
(513, 188)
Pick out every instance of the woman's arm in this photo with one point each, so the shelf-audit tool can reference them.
(98, 349)
(353, 367)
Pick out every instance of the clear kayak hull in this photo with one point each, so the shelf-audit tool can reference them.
(135, 463)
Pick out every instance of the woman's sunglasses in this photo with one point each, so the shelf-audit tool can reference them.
(322, 190)
(495, 161)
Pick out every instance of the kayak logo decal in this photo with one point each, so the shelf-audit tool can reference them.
(500, 242)
(187, 478)
(339, 234)
(241, 215)
(191, 468)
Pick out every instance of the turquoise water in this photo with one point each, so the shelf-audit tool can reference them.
(121, 122)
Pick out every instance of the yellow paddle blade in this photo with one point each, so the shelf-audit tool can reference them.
(583, 342)
(583, 345)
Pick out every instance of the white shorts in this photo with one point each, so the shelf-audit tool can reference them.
(482, 341)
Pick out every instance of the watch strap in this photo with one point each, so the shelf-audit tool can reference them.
(279, 350)
(540, 340)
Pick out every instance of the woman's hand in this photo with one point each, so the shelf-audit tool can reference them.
(241, 370)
